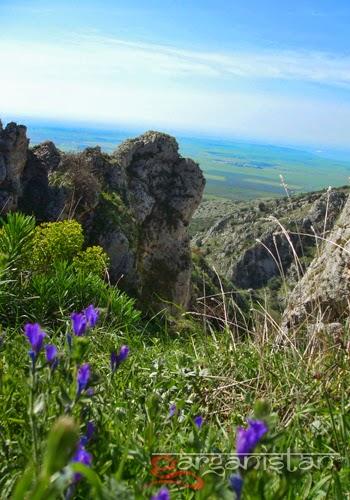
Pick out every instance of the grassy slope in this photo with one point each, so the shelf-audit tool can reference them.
(202, 374)
(203, 370)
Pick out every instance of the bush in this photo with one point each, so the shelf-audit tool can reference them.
(92, 260)
(45, 274)
(56, 241)
(54, 295)
(16, 237)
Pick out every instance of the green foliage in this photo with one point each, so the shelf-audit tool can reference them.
(202, 375)
(65, 289)
(92, 260)
(16, 240)
(44, 274)
(112, 213)
(301, 393)
(56, 241)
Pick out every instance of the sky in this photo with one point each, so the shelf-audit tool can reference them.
(266, 70)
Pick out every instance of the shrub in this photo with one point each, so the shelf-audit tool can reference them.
(92, 260)
(56, 241)
(51, 296)
(16, 237)
(44, 274)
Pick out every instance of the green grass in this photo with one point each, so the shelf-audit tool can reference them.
(307, 400)
(215, 177)
(300, 390)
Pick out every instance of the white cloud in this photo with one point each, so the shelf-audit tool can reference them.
(306, 66)
(95, 78)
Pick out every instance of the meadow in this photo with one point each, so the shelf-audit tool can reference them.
(233, 169)
(98, 401)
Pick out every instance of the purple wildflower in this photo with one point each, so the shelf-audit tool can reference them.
(172, 410)
(83, 457)
(83, 377)
(35, 336)
(90, 431)
(162, 494)
(247, 439)
(236, 484)
(79, 323)
(114, 358)
(51, 353)
(91, 315)
(117, 359)
(198, 421)
(90, 392)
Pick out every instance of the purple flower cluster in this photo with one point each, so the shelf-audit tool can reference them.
(118, 358)
(162, 494)
(81, 455)
(90, 431)
(79, 323)
(172, 410)
(83, 377)
(51, 355)
(198, 421)
(247, 439)
(84, 320)
(36, 336)
(236, 484)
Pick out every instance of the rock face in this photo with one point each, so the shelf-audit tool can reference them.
(249, 247)
(163, 191)
(137, 203)
(273, 254)
(13, 157)
(323, 293)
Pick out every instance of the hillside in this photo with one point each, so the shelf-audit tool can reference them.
(254, 245)
(157, 346)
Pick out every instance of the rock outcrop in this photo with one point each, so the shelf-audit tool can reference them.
(163, 191)
(273, 254)
(257, 242)
(13, 157)
(322, 295)
(137, 203)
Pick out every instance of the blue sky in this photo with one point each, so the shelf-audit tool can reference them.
(257, 69)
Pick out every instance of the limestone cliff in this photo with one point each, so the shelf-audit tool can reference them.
(322, 295)
(137, 203)
(13, 157)
(254, 242)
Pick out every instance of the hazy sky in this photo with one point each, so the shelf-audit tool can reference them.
(261, 69)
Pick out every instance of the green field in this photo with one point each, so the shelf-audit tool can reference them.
(254, 171)
(235, 170)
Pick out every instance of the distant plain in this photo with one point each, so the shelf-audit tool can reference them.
(233, 169)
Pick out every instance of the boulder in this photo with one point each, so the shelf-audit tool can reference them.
(323, 293)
